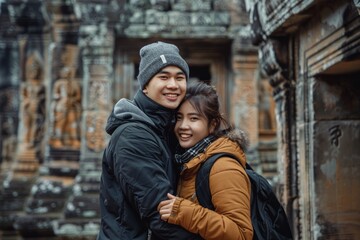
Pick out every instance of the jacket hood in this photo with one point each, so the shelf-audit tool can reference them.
(141, 109)
(240, 137)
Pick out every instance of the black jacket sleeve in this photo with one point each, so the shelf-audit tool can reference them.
(140, 170)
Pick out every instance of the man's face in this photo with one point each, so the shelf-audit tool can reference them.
(167, 87)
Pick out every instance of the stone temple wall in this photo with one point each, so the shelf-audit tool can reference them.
(310, 53)
(63, 64)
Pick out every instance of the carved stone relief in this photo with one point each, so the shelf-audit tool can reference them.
(33, 102)
(66, 110)
(95, 136)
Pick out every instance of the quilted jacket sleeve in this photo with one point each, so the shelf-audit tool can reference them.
(142, 177)
(230, 189)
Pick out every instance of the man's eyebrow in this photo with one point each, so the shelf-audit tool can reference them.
(167, 72)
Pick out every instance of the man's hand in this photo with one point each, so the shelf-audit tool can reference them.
(165, 207)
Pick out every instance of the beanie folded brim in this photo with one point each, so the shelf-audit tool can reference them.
(157, 56)
(157, 64)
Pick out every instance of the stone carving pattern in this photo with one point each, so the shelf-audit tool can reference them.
(258, 34)
(95, 136)
(274, 62)
(357, 5)
(98, 95)
(335, 134)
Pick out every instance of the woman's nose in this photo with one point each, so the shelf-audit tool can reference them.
(184, 124)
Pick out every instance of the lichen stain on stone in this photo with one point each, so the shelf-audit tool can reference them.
(329, 169)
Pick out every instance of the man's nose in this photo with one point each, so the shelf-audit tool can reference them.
(172, 82)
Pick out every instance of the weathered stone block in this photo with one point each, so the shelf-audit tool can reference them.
(179, 18)
(192, 5)
(336, 98)
(156, 29)
(44, 206)
(29, 226)
(7, 221)
(63, 171)
(221, 18)
(336, 178)
(70, 229)
(156, 17)
(162, 5)
(201, 19)
(136, 17)
(86, 188)
(16, 188)
(139, 3)
(208, 31)
(136, 30)
(181, 5)
(83, 207)
(12, 204)
(49, 189)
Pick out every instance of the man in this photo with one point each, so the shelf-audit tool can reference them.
(137, 169)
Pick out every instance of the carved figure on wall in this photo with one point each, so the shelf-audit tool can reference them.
(66, 110)
(33, 103)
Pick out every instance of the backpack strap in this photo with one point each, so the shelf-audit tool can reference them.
(202, 186)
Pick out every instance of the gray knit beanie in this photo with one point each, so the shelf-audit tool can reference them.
(157, 56)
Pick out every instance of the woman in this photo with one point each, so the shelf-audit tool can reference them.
(199, 129)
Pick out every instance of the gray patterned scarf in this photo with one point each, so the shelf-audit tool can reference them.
(181, 158)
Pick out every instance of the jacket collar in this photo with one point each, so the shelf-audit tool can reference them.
(163, 118)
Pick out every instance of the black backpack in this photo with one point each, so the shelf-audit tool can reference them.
(268, 217)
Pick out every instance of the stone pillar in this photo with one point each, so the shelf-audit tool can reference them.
(274, 59)
(9, 88)
(244, 96)
(81, 215)
(65, 89)
(9, 118)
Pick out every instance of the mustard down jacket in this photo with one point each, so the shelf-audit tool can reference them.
(230, 189)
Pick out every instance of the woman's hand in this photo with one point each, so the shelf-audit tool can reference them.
(165, 207)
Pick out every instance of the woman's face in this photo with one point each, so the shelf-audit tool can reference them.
(191, 126)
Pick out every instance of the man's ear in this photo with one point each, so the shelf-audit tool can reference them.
(145, 91)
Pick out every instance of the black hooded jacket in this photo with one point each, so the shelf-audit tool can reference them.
(137, 172)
